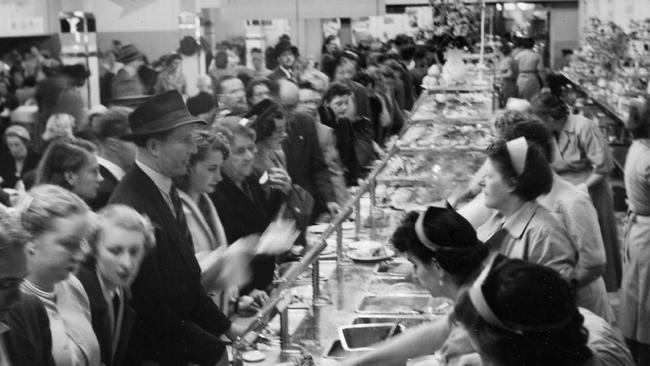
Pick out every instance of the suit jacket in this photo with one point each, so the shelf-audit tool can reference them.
(278, 74)
(8, 168)
(29, 341)
(242, 216)
(177, 322)
(101, 320)
(105, 190)
(305, 162)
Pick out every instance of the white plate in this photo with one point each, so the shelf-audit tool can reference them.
(365, 244)
(355, 257)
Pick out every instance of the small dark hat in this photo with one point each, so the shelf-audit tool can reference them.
(447, 228)
(161, 113)
(77, 71)
(284, 46)
(129, 53)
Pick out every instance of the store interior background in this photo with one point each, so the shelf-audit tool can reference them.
(153, 25)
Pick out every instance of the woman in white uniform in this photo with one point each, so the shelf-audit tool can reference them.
(635, 294)
(583, 158)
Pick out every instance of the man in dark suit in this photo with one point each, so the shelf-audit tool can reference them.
(115, 156)
(177, 322)
(25, 338)
(285, 55)
(305, 162)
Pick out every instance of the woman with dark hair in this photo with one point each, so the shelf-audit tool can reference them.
(21, 158)
(582, 156)
(258, 89)
(516, 173)
(270, 128)
(72, 164)
(222, 266)
(519, 313)
(172, 76)
(446, 257)
(507, 74)
(635, 297)
(529, 69)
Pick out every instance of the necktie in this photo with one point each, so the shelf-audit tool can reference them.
(180, 216)
(116, 310)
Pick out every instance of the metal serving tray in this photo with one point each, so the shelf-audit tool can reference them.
(404, 304)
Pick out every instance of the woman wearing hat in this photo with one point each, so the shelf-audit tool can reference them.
(21, 158)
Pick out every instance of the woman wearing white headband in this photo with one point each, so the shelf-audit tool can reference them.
(519, 313)
(516, 174)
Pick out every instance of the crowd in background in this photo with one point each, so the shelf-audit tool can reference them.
(144, 228)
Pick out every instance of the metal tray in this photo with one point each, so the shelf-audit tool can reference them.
(408, 321)
(404, 304)
(363, 337)
(337, 352)
(394, 285)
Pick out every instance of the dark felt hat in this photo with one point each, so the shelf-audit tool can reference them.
(129, 53)
(284, 46)
(161, 113)
(447, 228)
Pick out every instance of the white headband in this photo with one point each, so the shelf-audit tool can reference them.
(518, 149)
(419, 231)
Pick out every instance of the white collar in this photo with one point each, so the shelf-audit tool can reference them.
(108, 294)
(113, 168)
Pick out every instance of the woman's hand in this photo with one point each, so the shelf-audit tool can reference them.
(457, 344)
(259, 297)
(279, 180)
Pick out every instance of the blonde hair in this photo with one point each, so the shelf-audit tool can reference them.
(47, 202)
(126, 218)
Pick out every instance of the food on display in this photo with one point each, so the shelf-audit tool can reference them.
(443, 168)
(446, 135)
(437, 106)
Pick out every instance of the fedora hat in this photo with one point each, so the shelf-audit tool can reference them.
(160, 113)
(77, 71)
(129, 53)
(284, 46)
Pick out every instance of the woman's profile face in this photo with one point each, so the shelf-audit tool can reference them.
(274, 141)
(428, 274)
(59, 251)
(206, 174)
(495, 187)
(119, 253)
(16, 147)
(85, 181)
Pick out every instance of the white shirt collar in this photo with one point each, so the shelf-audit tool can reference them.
(113, 168)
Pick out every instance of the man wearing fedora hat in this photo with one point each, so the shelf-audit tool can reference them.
(127, 83)
(286, 55)
(178, 323)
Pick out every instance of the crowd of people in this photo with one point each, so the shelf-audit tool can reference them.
(128, 236)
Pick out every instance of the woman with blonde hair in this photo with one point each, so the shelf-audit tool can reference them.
(58, 222)
(120, 240)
